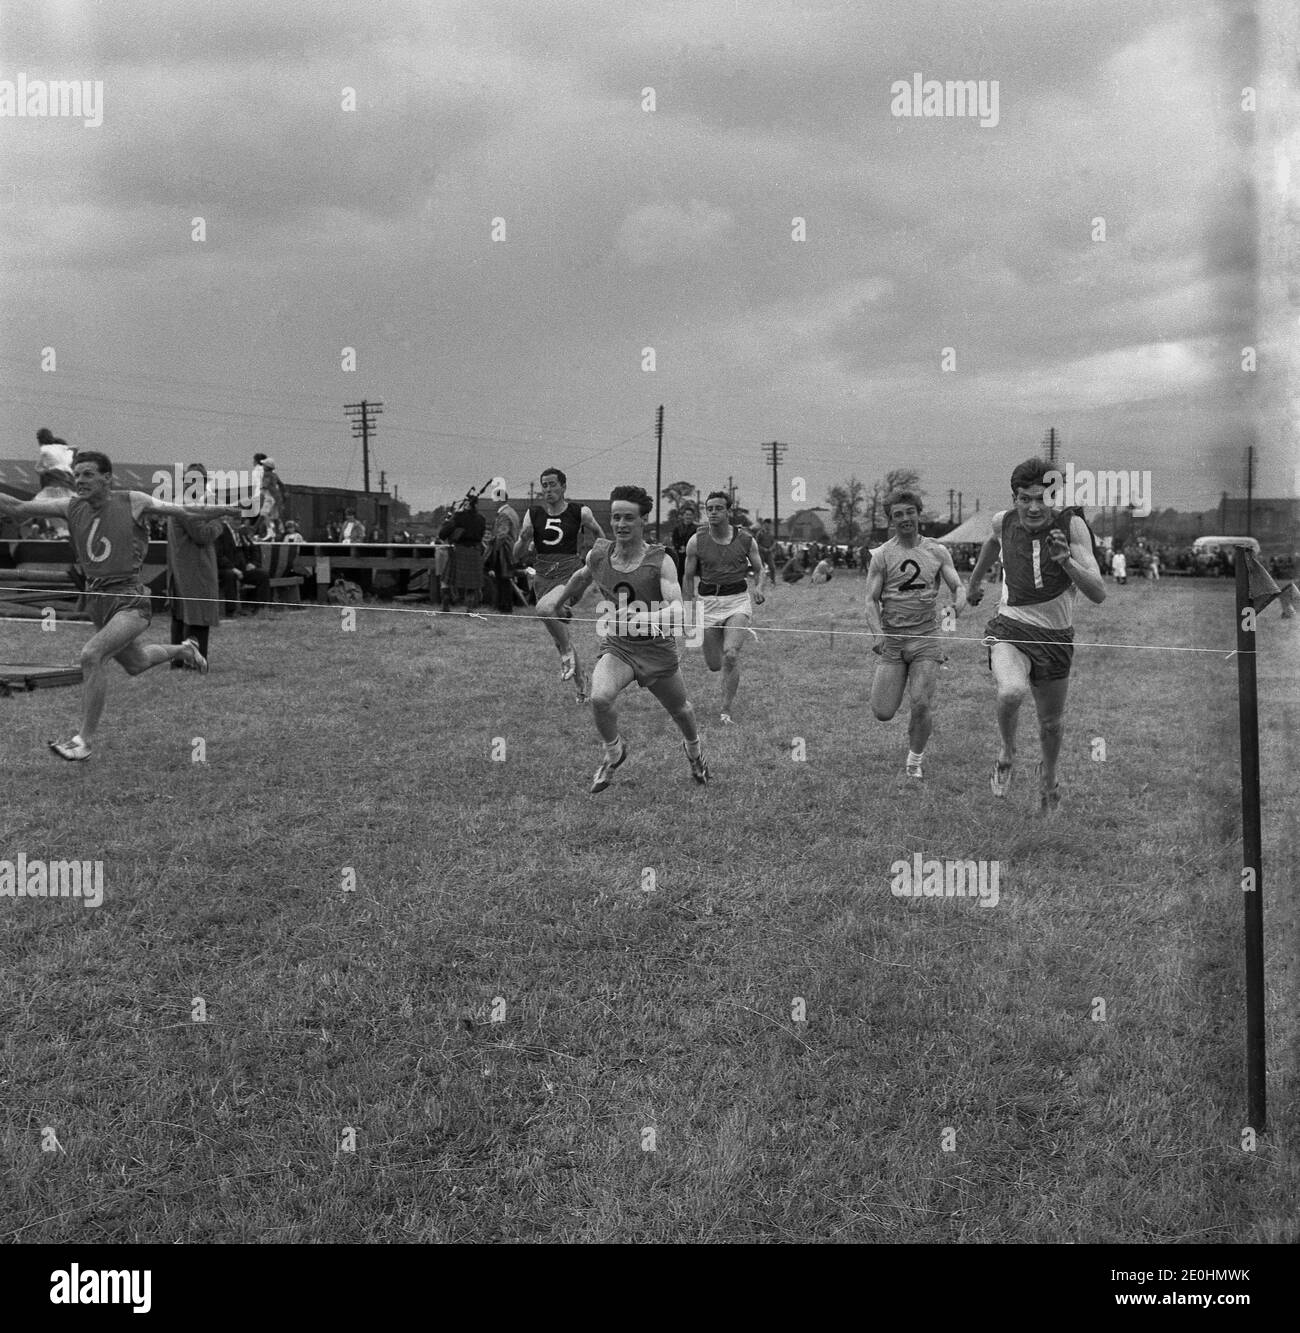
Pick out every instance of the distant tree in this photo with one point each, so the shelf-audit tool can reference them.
(679, 491)
(846, 503)
(903, 479)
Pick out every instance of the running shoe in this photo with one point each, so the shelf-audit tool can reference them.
(1000, 778)
(195, 659)
(568, 664)
(699, 769)
(725, 719)
(605, 773)
(582, 687)
(74, 749)
(914, 769)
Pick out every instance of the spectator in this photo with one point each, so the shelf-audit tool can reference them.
(686, 526)
(500, 561)
(1119, 567)
(54, 470)
(767, 547)
(823, 572)
(793, 570)
(354, 530)
(464, 529)
(192, 585)
(291, 533)
(239, 567)
(273, 507)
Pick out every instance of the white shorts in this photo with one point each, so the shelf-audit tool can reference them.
(718, 610)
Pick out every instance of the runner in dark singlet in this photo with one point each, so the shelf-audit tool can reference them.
(1047, 561)
(553, 529)
(640, 613)
(110, 538)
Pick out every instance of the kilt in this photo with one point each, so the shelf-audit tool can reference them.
(466, 572)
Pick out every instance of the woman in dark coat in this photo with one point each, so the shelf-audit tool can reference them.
(192, 571)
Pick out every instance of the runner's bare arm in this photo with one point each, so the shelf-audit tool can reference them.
(144, 503)
(875, 586)
(669, 617)
(1077, 560)
(590, 526)
(948, 572)
(756, 568)
(12, 507)
(577, 585)
(690, 570)
(988, 556)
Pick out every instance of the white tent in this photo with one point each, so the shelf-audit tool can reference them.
(977, 529)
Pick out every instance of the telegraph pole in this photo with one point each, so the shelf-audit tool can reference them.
(363, 414)
(775, 452)
(731, 489)
(1050, 441)
(1250, 489)
(951, 493)
(958, 506)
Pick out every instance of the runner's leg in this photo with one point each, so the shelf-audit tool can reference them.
(737, 628)
(1011, 672)
(609, 679)
(671, 692)
(1049, 700)
(117, 637)
(922, 677)
(887, 687)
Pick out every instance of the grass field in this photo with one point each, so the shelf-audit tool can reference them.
(528, 1043)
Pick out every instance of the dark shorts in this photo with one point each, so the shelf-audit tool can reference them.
(1049, 657)
(554, 573)
(651, 660)
(107, 599)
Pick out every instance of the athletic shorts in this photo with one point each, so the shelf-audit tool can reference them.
(909, 648)
(718, 610)
(108, 598)
(554, 573)
(1049, 657)
(652, 660)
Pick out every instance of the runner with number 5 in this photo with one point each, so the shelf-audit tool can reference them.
(902, 611)
(552, 529)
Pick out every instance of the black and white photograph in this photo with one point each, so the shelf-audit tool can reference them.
(650, 622)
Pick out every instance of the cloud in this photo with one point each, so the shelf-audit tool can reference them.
(663, 233)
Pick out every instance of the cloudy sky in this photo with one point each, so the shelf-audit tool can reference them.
(626, 229)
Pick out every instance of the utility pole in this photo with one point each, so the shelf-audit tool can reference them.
(958, 506)
(1250, 490)
(775, 452)
(383, 485)
(659, 463)
(951, 493)
(363, 414)
(1050, 441)
(731, 489)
